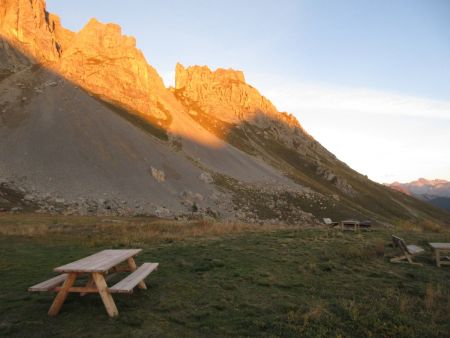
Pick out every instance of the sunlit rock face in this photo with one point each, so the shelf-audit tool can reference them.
(226, 96)
(98, 58)
(108, 64)
(27, 25)
(222, 93)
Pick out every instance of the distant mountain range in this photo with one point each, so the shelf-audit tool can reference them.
(435, 192)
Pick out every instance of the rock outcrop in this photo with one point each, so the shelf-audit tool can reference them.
(226, 96)
(108, 64)
(31, 29)
(222, 93)
(98, 58)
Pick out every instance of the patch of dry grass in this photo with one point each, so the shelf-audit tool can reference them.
(430, 226)
(126, 230)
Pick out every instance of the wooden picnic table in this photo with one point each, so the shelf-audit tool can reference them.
(350, 224)
(438, 248)
(97, 267)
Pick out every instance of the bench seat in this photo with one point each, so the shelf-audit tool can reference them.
(127, 284)
(330, 223)
(49, 284)
(414, 249)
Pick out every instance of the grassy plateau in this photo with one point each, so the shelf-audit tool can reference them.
(226, 280)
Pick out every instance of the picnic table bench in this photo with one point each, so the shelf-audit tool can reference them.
(408, 251)
(98, 267)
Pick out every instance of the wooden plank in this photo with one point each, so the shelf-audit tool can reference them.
(441, 246)
(90, 284)
(414, 249)
(49, 284)
(62, 295)
(99, 262)
(127, 284)
(80, 289)
(107, 299)
(133, 267)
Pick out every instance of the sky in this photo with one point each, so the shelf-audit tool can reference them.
(370, 80)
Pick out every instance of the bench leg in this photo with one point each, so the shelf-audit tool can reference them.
(401, 259)
(438, 258)
(132, 265)
(107, 299)
(398, 259)
(62, 295)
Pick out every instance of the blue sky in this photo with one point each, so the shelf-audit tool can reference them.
(370, 80)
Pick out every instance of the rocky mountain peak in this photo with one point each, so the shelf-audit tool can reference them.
(108, 64)
(222, 93)
(195, 74)
(99, 58)
(30, 28)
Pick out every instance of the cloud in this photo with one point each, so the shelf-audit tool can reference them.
(298, 98)
(385, 135)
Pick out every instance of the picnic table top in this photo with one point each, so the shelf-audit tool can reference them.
(99, 262)
(350, 221)
(442, 246)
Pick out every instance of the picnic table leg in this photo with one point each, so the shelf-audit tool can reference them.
(62, 295)
(107, 299)
(438, 257)
(132, 265)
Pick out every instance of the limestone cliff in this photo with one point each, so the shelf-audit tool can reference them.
(98, 58)
(222, 93)
(28, 27)
(108, 64)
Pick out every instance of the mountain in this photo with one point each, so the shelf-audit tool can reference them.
(88, 127)
(435, 192)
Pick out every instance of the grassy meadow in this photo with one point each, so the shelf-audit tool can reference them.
(226, 280)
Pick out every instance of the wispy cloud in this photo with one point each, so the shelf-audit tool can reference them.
(385, 135)
(297, 98)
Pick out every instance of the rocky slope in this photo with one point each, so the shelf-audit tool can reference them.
(87, 126)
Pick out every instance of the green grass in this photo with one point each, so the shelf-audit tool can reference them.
(271, 283)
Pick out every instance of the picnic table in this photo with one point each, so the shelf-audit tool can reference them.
(438, 248)
(98, 267)
(350, 224)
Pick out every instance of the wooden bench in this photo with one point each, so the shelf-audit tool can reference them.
(49, 284)
(127, 284)
(409, 251)
(330, 223)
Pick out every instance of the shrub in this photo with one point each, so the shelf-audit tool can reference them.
(431, 226)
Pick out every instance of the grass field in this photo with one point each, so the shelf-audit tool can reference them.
(225, 280)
